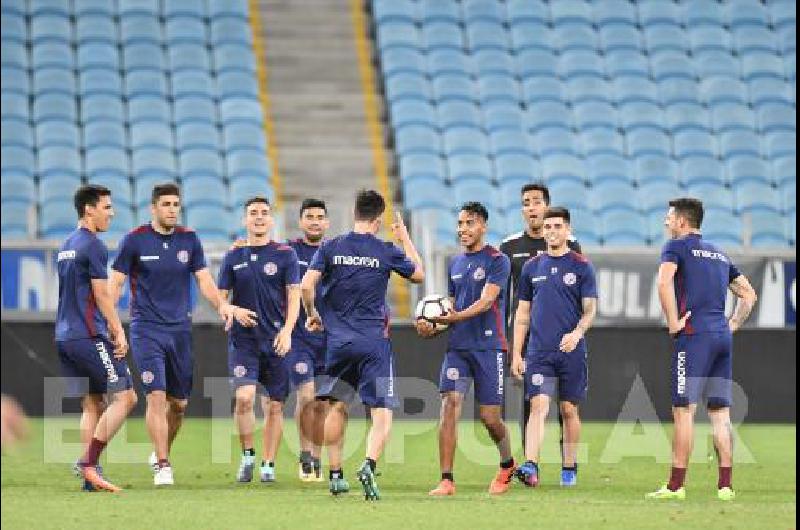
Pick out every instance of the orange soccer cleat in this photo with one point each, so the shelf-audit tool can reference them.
(444, 489)
(502, 481)
(94, 478)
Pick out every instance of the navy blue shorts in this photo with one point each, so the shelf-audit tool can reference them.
(164, 359)
(254, 362)
(485, 367)
(305, 362)
(92, 359)
(546, 369)
(366, 366)
(702, 363)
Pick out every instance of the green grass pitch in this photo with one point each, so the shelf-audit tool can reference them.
(39, 490)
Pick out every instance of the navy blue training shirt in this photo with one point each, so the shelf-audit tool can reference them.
(305, 254)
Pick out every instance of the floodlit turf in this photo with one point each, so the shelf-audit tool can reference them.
(36, 494)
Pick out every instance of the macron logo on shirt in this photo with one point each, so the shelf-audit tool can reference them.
(358, 261)
(66, 254)
(699, 253)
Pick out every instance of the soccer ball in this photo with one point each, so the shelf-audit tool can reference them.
(434, 306)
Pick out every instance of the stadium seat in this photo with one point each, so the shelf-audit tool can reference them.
(395, 11)
(243, 136)
(554, 140)
(536, 63)
(234, 83)
(501, 116)
(131, 8)
(696, 169)
(14, 54)
(780, 143)
(475, 190)
(121, 197)
(186, 8)
(787, 39)
(242, 189)
(15, 106)
(743, 169)
(704, 37)
(613, 13)
(575, 37)
(509, 141)
(585, 227)
(53, 81)
(626, 63)
(767, 229)
(15, 219)
(601, 141)
(495, 87)
(101, 107)
(401, 60)
(14, 27)
(784, 169)
(52, 133)
(458, 113)
(440, 62)
(188, 56)
(191, 84)
(247, 164)
(665, 37)
(746, 13)
(614, 37)
(687, 117)
(527, 11)
(748, 39)
(228, 8)
(589, 114)
(678, 90)
(760, 64)
(142, 192)
(530, 35)
(465, 140)
(513, 166)
(722, 228)
(17, 188)
(571, 11)
(407, 85)
(58, 188)
(777, 117)
(449, 87)
(421, 166)
(489, 61)
(151, 133)
(153, 162)
(770, 90)
(415, 139)
(16, 133)
(740, 142)
(548, 114)
(14, 80)
(54, 107)
(486, 36)
(98, 55)
(612, 195)
(209, 221)
(397, 35)
(602, 168)
(732, 117)
(140, 28)
(185, 29)
(412, 112)
(634, 88)
(246, 110)
(483, 11)
(145, 83)
(230, 30)
(568, 195)
(207, 163)
(656, 168)
(694, 143)
(105, 159)
(573, 63)
(624, 228)
(713, 194)
(753, 196)
(653, 12)
(197, 135)
(57, 220)
(672, 64)
(719, 89)
(653, 197)
(562, 166)
(98, 81)
(426, 193)
(711, 63)
(143, 55)
(542, 88)
(466, 167)
(637, 114)
(204, 191)
(58, 161)
(581, 89)
(53, 28)
(783, 13)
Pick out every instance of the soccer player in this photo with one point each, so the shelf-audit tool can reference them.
(557, 304)
(521, 247)
(89, 336)
(693, 280)
(264, 277)
(306, 361)
(477, 346)
(354, 271)
(160, 258)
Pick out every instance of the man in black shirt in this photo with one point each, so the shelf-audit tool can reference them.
(521, 247)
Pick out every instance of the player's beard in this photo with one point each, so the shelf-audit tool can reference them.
(314, 238)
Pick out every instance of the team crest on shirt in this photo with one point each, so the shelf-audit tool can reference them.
(570, 278)
(452, 374)
(239, 371)
(301, 368)
(147, 377)
(537, 379)
(183, 256)
(479, 274)
(270, 269)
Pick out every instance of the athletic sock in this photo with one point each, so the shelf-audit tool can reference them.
(92, 455)
(305, 457)
(508, 464)
(573, 467)
(372, 464)
(448, 476)
(335, 474)
(249, 452)
(163, 462)
(676, 478)
(724, 477)
(265, 463)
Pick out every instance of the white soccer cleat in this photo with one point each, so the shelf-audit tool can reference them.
(152, 460)
(163, 477)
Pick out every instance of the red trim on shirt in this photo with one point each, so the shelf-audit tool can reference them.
(140, 229)
(580, 258)
(492, 251)
(133, 278)
(682, 297)
(500, 328)
(183, 230)
(91, 308)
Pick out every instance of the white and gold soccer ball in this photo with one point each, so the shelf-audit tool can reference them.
(431, 306)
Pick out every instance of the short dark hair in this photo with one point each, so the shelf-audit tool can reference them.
(312, 203)
(168, 188)
(89, 195)
(477, 209)
(537, 186)
(558, 211)
(255, 199)
(369, 205)
(690, 209)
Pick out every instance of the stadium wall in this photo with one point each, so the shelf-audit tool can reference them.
(628, 373)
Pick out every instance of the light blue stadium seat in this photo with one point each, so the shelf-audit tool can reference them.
(748, 39)
(84, 8)
(98, 55)
(209, 221)
(247, 164)
(536, 62)
(510, 141)
(500, 116)
(204, 191)
(791, 228)
(655, 228)
(678, 90)
(588, 88)
(768, 230)
(197, 135)
(442, 35)
(783, 13)
(458, 113)
(14, 28)
(780, 143)
(151, 133)
(602, 140)
(145, 83)
(243, 136)
(672, 64)
(731, 117)
(703, 14)
(15, 106)
(760, 64)
(466, 167)
(235, 83)
(709, 37)
(510, 196)
(440, 61)
(612, 195)
(58, 220)
(591, 114)
(53, 81)
(542, 88)
(777, 117)
(96, 81)
(495, 87)
(788, 190)
(720, 89)
(585, 226)
(207, 163)
(694, 143)
(234, 57)
(153, 162)
(563, 167)
(422, 166)
(233, 110)
(124, 220)
(101, 107)
(656, 168)
(571, 11)
(242, 189)
(142, 192)
(407, 85)
(752, 196)
(475, 190)
(54, 28)
(710, 63)
(143, 55)
(51, 54)
(121, 198)
(58, 161)
(715, 195)
(686, 117)
(185, 8)
(454, 87)
(742, 169)
(613, 13)
(57, 133)
(15, 219)
(636, 114)
(787, 39)
(634, 88)
(739, 142)
(16, 133)
(548, 114)
(697, 169)
(784, 169)
(437, 11)
(790, 67)
(397, 35)
(647, 141)
(770, 90)
(665, 37)
(95, 28)
(486, 36)
(527, 11)
(400, 60)
(415, 139)
(516, 166)
(614, 37)
(568, 195)
(489, 61)
(580, 62)
(14, 80)
(652, 12)
(654, 196)
(626, 62)
(483, 11)
(188, 56)
(231, 30)
(624, 228)
(54, 107)
(228, 8)
(530, 35)
(132, 8)
(746, 13)
(14, 54)
(192, 84)
(412, 112)
(17, 188)
(465, 140)
(395, 11)
(603, 168)
(102, 160)
(137, 29)
(554, 140)
(185, 29)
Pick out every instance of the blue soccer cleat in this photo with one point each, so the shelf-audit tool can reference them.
(528, 474)
(569, 478)
(338, 486)
(366, 477)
